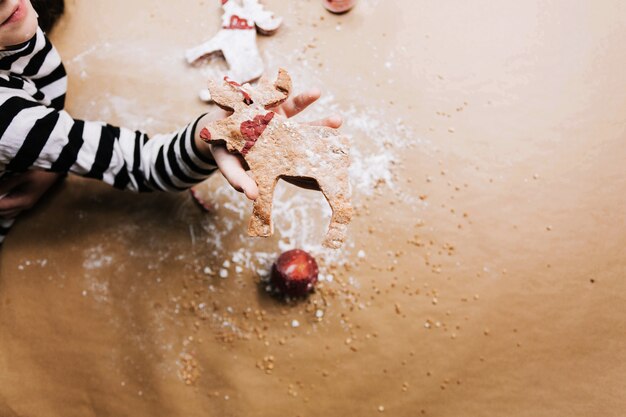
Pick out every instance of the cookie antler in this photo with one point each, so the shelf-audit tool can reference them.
(226, 95)
(270, 94)
(283, 81)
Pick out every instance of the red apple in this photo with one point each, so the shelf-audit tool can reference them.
(294, 273)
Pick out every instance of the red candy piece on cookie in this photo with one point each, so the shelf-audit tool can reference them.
(294, 273)
(205, 135)
(253, 129)
(237, 22)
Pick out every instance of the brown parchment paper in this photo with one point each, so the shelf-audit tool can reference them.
(485, 270)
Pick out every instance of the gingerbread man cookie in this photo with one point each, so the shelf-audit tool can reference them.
(275, 147)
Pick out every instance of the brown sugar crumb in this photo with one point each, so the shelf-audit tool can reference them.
(188, 371)
(267, 364)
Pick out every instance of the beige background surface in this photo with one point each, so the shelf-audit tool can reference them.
(485, 271)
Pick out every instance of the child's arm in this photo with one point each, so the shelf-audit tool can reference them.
(35, 136)
(113, 147)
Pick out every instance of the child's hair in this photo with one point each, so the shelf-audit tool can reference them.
(49, 12)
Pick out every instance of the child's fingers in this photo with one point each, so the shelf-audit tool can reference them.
(8, 184)
(333, 121)
(251, 189)
(300, 102)
(10, 214)
(11, 202)
(232, 169)
(11, 206)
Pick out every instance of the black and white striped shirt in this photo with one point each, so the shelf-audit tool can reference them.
(35, 132)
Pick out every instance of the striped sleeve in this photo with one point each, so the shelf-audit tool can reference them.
(33, 135)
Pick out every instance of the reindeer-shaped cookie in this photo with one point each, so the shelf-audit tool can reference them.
(275, 147)
(237, 38)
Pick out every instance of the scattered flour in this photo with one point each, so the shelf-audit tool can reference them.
(95, 258)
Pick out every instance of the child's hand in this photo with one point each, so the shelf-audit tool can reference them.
(233, 166)
(22, 191)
